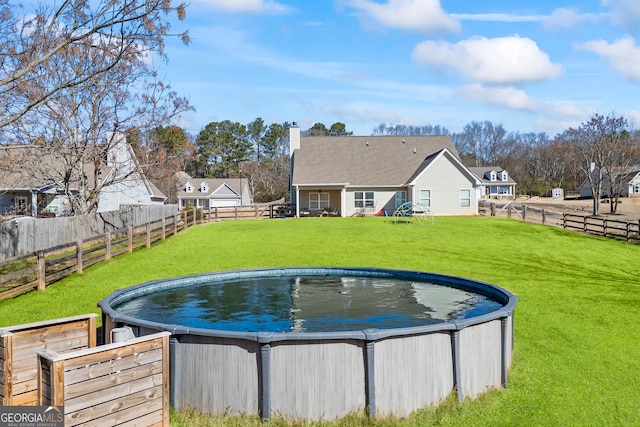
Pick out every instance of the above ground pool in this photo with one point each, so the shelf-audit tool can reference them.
(320, 343)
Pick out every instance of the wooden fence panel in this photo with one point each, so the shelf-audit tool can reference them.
(20, 344)
(27, 235)
(124, 383)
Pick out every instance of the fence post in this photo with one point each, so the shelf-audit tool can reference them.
(493, 209)
(256, 209)
(524, 212)
(175, 224)
(42, 284)
(107, 246)
(130, 239)
(628, 231)
(236, 210)
(79, 256)
(543, 217)
(509, 211)
(584, 224)
(216, 209)
(148, 235)
(164, 229)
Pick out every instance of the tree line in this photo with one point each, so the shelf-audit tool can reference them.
(75, 74)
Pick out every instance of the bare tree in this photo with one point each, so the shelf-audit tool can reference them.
(601, 148)
(76, 105)
(32, 42)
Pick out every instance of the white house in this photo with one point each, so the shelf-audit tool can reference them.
(496, 182)
(215, 192)
(34, 190)
(353, 175)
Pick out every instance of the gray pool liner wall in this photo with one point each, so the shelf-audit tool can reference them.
(326, 375)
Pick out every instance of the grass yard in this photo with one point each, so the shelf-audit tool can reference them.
(577, 322)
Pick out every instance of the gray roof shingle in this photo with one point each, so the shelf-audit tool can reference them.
(364, 160)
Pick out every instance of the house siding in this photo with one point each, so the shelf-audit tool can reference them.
(384, 198)
(445, 180)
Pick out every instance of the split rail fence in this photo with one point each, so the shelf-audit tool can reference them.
(625, 230)
(38, 269)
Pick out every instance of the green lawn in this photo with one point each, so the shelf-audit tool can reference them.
(577, 322)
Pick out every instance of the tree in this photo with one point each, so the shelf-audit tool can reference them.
(409, 130)
(483, 143)
(603, 150)
(32, 46)
(318, 129)
(222, 147)
(255, 131)
(339, 129)
(169, 150)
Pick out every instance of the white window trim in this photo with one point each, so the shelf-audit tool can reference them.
(320, 202)
(428, 205)
(462, 205)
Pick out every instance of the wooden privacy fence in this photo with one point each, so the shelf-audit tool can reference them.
(19, 346)
(37, 270)
(124, 383)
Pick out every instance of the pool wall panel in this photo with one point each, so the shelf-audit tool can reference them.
(480, 358)
(217, 375)
(317, 379)
(412, 372)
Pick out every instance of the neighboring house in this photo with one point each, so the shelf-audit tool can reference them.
(629, 185)
(31, 190)
(374, 175)
(215, 192)
(496, 182)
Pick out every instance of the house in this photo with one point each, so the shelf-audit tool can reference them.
(496, 182)
(374, 175)
(215, 192)
(628, 184)
(36, 189)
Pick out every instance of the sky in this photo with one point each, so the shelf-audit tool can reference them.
(540, 66)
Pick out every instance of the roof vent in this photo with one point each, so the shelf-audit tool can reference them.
(403, 140)
(415, 151)
(367, 143)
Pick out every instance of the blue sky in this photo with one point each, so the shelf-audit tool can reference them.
(538, 66)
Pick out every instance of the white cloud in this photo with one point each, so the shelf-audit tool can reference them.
(625, 13)
(497, 17)
(510, 97)
(568, 17)
(254, 6)
(623, 55)
(499, 60)
(416, 15)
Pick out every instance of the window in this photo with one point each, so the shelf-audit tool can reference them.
(204, 188)
(425, 198)
(401, 198)
(505, 176)
(318, 201)
(188, 188)
(465, 198)
(492, 176)
(364, 199)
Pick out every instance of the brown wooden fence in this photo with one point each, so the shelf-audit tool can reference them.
(628, 231)
(37, 270)
(125, 383)
(20, 344)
